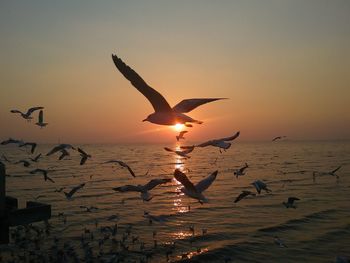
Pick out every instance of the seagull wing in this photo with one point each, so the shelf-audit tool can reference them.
(231, 138)
(158, 102)
(16, 111)
(206, 182)
(127, 188)
(155, 182)
(182, 178)
(336, 169)
(182, 133)
(83, 159)
(241, 196)
(31, 110)
(81, 151)
(128, 167)
(168, 149)
(41, 116)
(190, 104)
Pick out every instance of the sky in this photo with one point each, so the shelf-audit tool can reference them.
(284, 65)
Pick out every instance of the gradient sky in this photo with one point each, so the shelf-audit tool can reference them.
(285, 65)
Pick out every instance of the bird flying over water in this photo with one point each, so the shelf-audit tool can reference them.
(11, 141)
(28, 114)
(43, 172)
(60, 147)
(221, 143)
(278, 138)
(24, 162)
(163, 113)
(181, 135)
(184, 153)
(243, 195)
(70, 194)
(260, 185)
(122, 164)
(240, 171)
(84, 156)
(143, 189)
(41, 122)
(195, 191)
(290, 202)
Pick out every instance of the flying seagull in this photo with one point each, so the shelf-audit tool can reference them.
(243, 195)
(64, 153)
(122, 164)
(334, 171)
(259, 185)
(240, 171)
(31, 144)
(163, 113)
(41, 122)
(59, 148)
(183, 153)
(278, 138)
(143, 189)
(29, 112)
(195, 191)
(24, 162)
(43, 172)
(84, 156)
(221, 143)
(70, 194)
(181, 135)
(290, 202)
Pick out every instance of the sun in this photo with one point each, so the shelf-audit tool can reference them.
(178, 127)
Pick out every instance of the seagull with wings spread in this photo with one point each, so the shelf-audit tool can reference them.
(124, 165)
(184, 153)
(163, 113)
(220, 143)
(195, 191)
(28, 114)
(143, 189)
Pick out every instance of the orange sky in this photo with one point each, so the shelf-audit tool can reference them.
(283, 64)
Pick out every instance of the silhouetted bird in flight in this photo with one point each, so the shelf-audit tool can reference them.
(143, 189)
(181, 135)
(240, 171)
(290, 202)
(84, 156)
(195, 191)
(31, 144)
(220, 143)
(260, 185)
(278, 138)
(243, 195)
(122, 164)
(184, 153)
(164, 114)
(29, 112)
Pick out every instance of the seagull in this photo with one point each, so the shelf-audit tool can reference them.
(11, 141)
(143, 189)
(243, 195)
(60, 147)
(279, 242)
(84, 156)
(28, 114)
(43, 172)
(181, 135)
(240, 171)
(221, 143)
(290, 202)
(24, 162)
(122, 164)
(278, 138)
(195, 191)
(184, 153)
(73, 191)
(259, 185)
(31, 144)
(163, 113)
(41, 122)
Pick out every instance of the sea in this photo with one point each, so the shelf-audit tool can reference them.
(171, 227)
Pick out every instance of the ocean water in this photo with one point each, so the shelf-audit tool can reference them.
(318, 230)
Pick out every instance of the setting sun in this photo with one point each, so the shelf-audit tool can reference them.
(178, 127)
